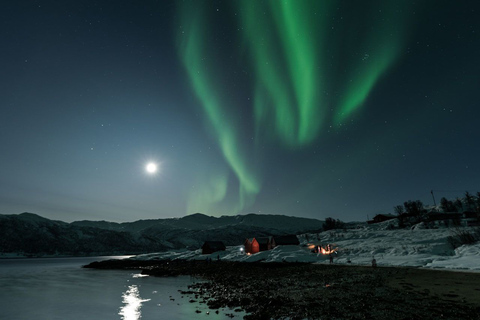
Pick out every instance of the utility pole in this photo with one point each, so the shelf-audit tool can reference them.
(434, 203)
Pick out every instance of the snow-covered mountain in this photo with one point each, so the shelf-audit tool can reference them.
(28, 234)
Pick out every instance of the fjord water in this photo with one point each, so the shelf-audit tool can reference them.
(58, 288)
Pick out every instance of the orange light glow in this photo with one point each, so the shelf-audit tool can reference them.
(330, 251)
(327, 250)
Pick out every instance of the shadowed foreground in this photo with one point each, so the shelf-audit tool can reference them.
(309, 291)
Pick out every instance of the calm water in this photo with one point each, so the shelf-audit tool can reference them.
(58, 288)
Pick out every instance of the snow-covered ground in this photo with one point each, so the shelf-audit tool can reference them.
(417, 247)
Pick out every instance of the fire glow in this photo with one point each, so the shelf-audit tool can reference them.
(319, 249)
(328, 250)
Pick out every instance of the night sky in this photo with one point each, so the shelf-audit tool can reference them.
(305, 108)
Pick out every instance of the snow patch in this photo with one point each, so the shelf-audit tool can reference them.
(416, 247)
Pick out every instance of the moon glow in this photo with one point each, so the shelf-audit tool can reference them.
(151, 167)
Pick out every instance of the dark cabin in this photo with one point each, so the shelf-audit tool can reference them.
(288, 240)
(471, 215)
(473, 223)
(444, 216)
(472, 218)
(212, 246)
(266, 243)
(381, 217)
(251, 246)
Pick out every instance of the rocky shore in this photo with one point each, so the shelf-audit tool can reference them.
(312, 291)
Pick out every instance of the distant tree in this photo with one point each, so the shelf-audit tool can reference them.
(399, 210)
(444, 204)
(414, 208)
(459, 205)
(470, 200)
(331, 224)
(447, 205)
(339, 224)
(477, 205)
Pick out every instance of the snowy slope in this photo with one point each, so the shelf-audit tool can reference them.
(418, 247)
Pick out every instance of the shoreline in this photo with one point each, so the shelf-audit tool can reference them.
(304, 290)
(464, 270)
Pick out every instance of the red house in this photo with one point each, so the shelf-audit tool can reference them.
(251, 246)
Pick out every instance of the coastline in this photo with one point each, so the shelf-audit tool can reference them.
(313, 291)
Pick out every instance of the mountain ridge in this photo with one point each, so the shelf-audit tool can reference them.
(200, 220)
(29, 234)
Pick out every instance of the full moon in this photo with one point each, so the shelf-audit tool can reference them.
(151, 167)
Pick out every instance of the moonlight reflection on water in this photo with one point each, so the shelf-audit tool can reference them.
(58, 288)
(132, 304)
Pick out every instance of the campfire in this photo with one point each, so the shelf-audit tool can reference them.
(328, 249)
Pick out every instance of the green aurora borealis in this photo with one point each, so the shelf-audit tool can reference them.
(309, 108)
(312, 70)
